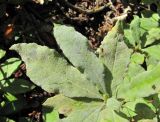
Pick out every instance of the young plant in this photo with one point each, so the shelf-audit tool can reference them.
(113, 87)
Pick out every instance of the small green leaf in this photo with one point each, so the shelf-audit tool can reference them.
(2, 53)
(153, 51)
(50, 115)
(9, 67)
(135, 30)
(139, 109)
(153, 36)
(113, 104)
(9, 97)
(141, 85)
(151, 62)
(128, 35)
(148, 23)
(134, 69)
(137, 58)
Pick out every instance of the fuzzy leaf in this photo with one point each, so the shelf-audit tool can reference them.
(50, 115)
(148, 23)
(151, 62)
(46, 68)
(141, 85)
(153, 36)
(153, 51)
(9, 67)
(75, 47)
(83, 110)
(135, 29)
(137, 58)
(148, 120)
(128, 35)
(95, 115)
(134, 69)
(115, 55)
(65, 105)
(139, 109)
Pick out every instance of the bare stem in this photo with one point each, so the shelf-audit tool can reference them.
(78, 9)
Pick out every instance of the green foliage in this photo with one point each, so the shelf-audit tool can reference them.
(114, 87)
(9, 67)
(119, 82)
(2, 53)
(12, 88)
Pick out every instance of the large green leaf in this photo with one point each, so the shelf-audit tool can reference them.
(9, 67)
(75, 47)
(85, 110)
(115, 54)
(141, 85)
(65, 105)
(46, 68)
(95, 115)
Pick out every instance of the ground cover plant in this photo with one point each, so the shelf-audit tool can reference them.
(80, 61)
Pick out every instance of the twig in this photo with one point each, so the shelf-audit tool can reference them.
(78, 9)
